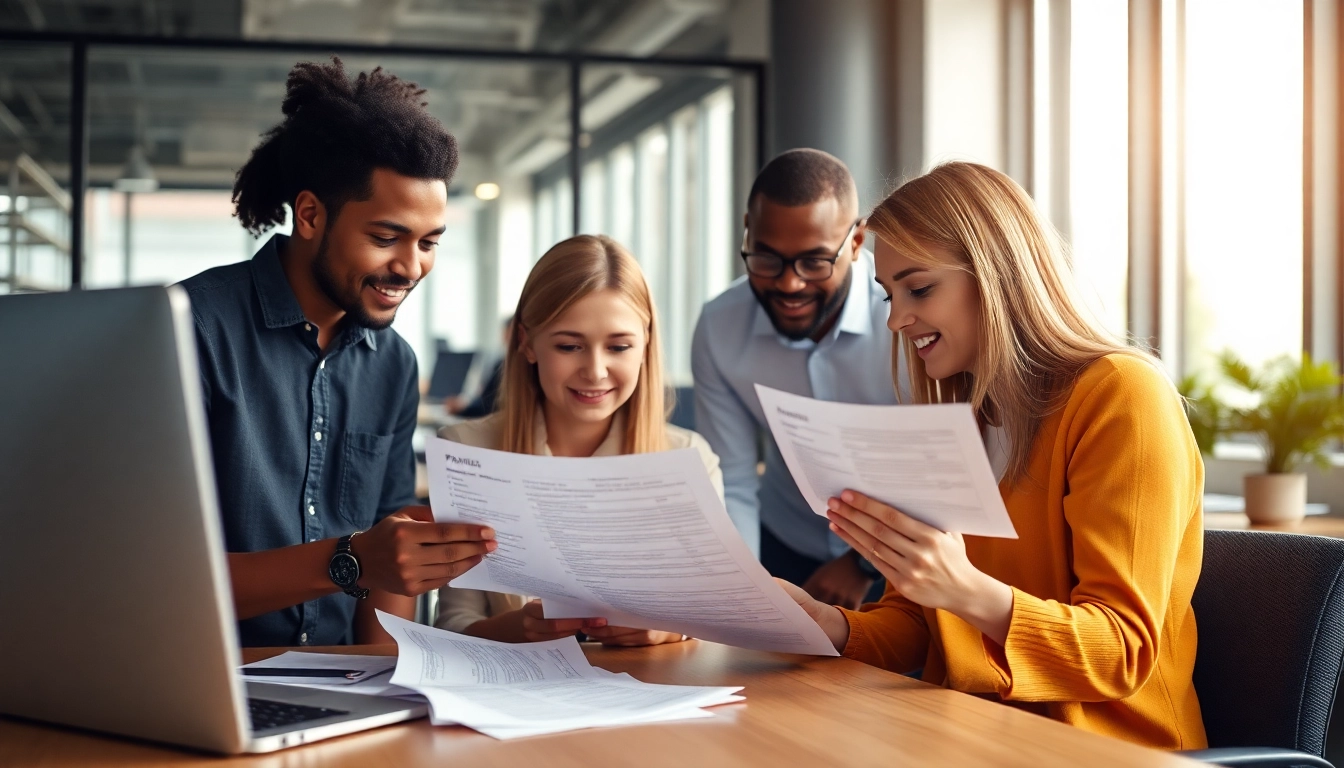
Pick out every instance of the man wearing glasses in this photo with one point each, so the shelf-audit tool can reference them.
(807, 318)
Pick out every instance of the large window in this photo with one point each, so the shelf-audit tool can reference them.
(168, 127)
(160, 237)
(35, 204)
(1226, 99)
(1099, 155)
(1243, 179)
(658, 178)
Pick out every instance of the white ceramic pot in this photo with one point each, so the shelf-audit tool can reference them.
(1277, 498)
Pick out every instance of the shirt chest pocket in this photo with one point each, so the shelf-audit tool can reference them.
(364, 465)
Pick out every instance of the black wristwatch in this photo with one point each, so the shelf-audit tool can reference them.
(344, 568)
(865, 567)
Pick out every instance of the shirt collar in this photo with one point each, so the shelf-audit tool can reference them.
(855, 315)
(279, 307)
(612, 445)
(360, 333)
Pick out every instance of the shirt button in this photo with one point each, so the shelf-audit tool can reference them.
(322, 364)
(317, 436)
(312, 510)
(303, 638)
(307, 327)
(319, 419)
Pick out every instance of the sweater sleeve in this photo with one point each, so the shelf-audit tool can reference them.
(1134, 481)
(892, 633)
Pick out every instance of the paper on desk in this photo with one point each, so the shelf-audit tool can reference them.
(928, 461)
(502, 732)
(372, 666)
(510, 690)
(641, 540)
(375, 682)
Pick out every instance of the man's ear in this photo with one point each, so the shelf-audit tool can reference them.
(860, 235)
(310, 216)
(525, 345)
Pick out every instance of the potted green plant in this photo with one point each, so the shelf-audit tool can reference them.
(1295, 412)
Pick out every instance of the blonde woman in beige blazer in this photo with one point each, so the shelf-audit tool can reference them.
(462, 609)
(582, 377)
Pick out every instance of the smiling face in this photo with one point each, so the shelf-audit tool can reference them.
(801, 309)
(377, 250)
(937, 308)
(589, 358)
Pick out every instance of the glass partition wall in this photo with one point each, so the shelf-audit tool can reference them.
(35, 201)
(166, 124)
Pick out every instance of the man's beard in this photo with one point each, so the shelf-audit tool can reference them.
(352, 305)
(829, 309)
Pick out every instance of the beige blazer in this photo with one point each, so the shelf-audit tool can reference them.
(460, 608)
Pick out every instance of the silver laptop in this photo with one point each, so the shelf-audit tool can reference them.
(117, 614)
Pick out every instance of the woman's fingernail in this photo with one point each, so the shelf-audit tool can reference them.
(833, 504)
(847, 496)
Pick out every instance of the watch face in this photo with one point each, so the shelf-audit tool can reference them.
(344, 570)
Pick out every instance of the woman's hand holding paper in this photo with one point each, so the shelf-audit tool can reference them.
(536, 627)
(926, 565)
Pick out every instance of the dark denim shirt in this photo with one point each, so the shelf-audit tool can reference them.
(306, 446)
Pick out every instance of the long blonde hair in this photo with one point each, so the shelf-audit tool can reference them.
(1036, 335)
(569, 271)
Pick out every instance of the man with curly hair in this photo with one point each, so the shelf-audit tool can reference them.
(310, 397)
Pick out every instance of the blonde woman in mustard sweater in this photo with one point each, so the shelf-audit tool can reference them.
(1086, 617)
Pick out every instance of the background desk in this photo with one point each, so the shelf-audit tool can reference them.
(799, 711)
(1315, 525)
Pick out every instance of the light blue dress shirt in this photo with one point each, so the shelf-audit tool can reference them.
(735, 347)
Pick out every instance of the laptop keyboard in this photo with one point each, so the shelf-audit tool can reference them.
(268, 714)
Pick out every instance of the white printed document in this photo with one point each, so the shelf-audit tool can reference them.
(508, 690)
(928, 461)
(641, 540)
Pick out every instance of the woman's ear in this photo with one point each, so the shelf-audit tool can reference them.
(525, 345)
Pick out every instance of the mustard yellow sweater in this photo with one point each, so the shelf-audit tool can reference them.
(1111, 540)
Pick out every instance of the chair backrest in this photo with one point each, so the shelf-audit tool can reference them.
(450, 373)
(683, 412)
(1270, 612)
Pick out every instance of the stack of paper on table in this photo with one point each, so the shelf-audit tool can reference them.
(376, 681)
(641, 540)
(508, 690)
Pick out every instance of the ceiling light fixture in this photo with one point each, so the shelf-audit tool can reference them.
(487, 190)
(137, 175)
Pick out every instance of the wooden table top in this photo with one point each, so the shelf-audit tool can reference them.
(799, 711)
(1314, 525)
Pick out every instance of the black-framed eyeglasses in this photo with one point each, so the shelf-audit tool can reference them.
(813, 269)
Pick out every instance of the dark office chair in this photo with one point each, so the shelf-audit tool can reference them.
(683, 412)
(1270, 611)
